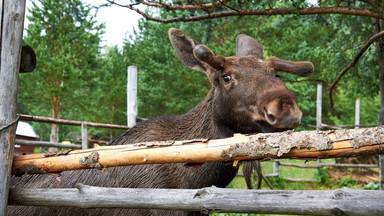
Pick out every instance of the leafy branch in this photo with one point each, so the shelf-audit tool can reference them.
(370, 40)
(227, 13)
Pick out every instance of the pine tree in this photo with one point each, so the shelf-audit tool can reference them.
(65, 37)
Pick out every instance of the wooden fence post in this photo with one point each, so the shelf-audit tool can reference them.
(357, 113)
(318, 109)
(276, 165)
(84, 135)
(318, 106)
(381, 167)
(11, 25)
(132, 96)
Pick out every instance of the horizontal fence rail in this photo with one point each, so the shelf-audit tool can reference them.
(46, 144)
(336, 127)
(304, 144)
(330, 165)
(69, 122)
(84, 132)
(209, 200)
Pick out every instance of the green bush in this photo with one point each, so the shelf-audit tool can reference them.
(347, 182)
(278, 182)
(322, 175)
(372, 186)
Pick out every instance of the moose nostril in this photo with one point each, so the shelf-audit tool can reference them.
(270, 117)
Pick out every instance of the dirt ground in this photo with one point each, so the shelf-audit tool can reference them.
(362, 176)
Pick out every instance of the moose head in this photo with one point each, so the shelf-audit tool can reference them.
(248, 96)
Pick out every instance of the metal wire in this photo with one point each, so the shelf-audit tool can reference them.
(10, 124)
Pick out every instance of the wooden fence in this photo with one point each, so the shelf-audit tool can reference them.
(84, 131)
(210, 200)
(339, 202)
(305, 144)
(277, 164)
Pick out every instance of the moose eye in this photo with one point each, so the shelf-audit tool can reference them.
(227, 78)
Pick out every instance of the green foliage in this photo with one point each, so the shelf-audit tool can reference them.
(347, 182)
(278, 182)
(165, 86)
(110, 96)
(372, 186)
(65, 37)
(322, 175)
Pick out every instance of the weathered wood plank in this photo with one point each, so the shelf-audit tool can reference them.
(305, 144)
(11, 21)
(319, 165)
(131, 96)
(319, 105)
(46, 144)
(381, 166)
(84, 135)
(69, 122)
(209, 200)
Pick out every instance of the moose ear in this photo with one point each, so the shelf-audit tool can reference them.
(206, 55)
(247, 46)
(183, 44)
(298, 68)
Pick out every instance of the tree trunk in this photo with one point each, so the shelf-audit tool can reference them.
(112, 121)
(380, 53)
(54, 128)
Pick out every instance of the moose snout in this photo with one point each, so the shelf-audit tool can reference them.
(282, 114)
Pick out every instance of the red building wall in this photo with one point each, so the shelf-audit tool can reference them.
(23, 149)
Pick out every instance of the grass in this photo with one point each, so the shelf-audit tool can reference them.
(324, 181)
(291, 172)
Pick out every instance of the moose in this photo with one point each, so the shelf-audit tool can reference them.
(246, 97)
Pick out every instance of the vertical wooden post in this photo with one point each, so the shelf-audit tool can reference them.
(318, 109)
(276, 165)
(357, 113)
(84, 135)
(132, 96)
(381, 166)
(11, 26)
(318, 106)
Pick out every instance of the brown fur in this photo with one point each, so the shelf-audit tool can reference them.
(233, 107)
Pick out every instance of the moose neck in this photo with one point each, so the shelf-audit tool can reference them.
(201, 120)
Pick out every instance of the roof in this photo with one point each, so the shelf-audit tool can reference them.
(25, 129)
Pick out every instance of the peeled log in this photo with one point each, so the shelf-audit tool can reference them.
(304, 144)
(209, 200)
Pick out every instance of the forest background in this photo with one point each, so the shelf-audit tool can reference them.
(77, 79)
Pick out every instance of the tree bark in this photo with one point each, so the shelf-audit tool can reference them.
(380, 53)
(379, 24)
(54, 127)
(112, 121)
(304, 144)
